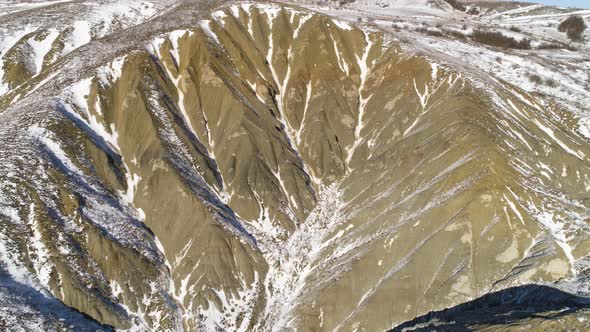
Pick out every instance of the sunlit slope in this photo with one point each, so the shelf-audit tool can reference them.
(273, 168)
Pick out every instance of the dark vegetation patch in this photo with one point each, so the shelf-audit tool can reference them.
(455, 34)
(535, 78)
(345, 2)
(429, 32)
(473, 11)
(550, 46)
(556, 46)
(497, 39)
(540, 81)
(456, 5)
(573, 26)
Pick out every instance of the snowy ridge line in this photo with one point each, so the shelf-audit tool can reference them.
(300, 256)
(117, 220)
(106, 137)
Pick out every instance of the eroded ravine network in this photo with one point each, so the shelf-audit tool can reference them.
(271, 168)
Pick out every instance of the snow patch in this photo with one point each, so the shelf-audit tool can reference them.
(111, 72)
(206, 26)
(342, 25)
(81, 34)
(41, 48)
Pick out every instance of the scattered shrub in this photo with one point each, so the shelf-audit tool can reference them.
(573, 26)
(524, 44)
(535, 78)
(550, 46)
(473, 11)
(454, 34)
(434, 33)
(499, 40)
(456, 5)
(539, 80)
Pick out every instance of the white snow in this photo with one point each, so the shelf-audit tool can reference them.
(584, 126)
(513, 207)
(342, 25)
(558, 231)
(174, 37)
(235, 10)
(77, 105)
(11, 7)
(116, 289)
(111, 72)
(41, 261)
(292, 262)
(206, 26)
(308, 93)
(364, 67)
(8, 210)
(219, 16)
(341, 61)
(10, 259)
(300, 24)
(45, 137)
(80, 35)
(272, 12)
(41, 48)
(551, 134)
(226, 319)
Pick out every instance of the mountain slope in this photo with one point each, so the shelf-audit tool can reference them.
(265, 167)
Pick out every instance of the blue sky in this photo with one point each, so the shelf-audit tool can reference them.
(566, 3)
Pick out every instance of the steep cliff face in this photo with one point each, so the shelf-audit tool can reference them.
(267, 167)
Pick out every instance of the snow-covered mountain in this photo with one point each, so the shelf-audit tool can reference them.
(359, 165)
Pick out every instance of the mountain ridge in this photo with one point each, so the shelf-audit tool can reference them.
(260, 166)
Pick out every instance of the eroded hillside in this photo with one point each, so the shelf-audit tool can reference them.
(267, 167)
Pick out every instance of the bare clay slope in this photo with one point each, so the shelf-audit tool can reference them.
(272, 168)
